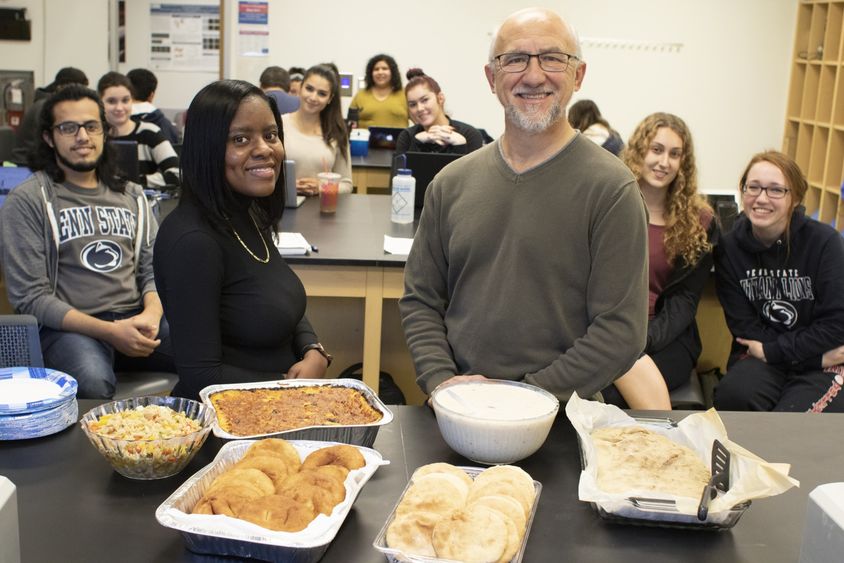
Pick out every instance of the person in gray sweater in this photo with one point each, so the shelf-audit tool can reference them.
(530, 260)
(76, 248)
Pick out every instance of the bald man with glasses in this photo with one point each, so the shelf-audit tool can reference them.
(76, 249)
(530, 260)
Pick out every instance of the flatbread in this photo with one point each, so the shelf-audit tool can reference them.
(633, 458)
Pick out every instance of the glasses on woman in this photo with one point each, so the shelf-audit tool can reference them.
(549, 62)
(71, 128)
(773, 192)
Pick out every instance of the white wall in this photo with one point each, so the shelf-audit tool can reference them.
(729, 80)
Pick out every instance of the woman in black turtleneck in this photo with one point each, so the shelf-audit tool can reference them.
(236, 309)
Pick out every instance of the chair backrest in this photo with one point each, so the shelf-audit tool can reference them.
(8, 140)
(19, 341)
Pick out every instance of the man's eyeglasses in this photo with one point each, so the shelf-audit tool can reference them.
(71, 128)
(549, 62)
(774, 192)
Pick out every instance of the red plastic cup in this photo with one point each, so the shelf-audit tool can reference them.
(329, 188)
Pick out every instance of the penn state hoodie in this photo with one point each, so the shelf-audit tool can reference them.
(789, 296)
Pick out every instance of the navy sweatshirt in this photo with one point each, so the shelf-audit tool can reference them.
(789, 296)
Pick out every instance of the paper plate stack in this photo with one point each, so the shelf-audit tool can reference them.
(35, 402)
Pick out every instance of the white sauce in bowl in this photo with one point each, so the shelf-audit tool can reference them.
(495, 402)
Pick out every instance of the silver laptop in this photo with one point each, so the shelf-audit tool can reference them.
(291, 199)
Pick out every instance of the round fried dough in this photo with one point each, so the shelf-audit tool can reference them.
(342, 455)
(441, 467)
(513, 477)
(501, 487)
(508, 506)
(321, 488)
(202, 507)
(254, 477)
(278, 512)
(474, 534)
(411, 533)
(226, 498)
(279, 448)
(273, 467)
(440, 493)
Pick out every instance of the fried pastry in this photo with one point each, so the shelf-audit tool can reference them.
(438, 492)
(341, 455)
(411, 532)
(441, 467)
(279, 448)
(278, 512)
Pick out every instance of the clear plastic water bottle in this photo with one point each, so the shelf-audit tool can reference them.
(404, 193)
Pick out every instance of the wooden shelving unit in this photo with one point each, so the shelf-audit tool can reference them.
(814, 124)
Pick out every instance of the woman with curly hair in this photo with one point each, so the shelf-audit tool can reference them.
(382, 102)
(682, 232)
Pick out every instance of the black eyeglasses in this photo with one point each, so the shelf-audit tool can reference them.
(773, 192)
(549, 62)
(71, 128)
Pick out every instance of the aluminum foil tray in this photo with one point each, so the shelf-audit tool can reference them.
(662, 513)
(397, 556)
(222, 535)
(359, 435)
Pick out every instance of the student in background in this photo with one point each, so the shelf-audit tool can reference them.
(297, 73)
(585, 116)
(434, 130)
(315, 135)
(27, 134)
(157, 159)
(236, 309)
(682, 232)
(382, 102)
(144, 85)
(76, 247)
(779, 279)
(276, 82)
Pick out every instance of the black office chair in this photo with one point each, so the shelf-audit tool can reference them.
(8, 140)
(19, 342)
(688, 396)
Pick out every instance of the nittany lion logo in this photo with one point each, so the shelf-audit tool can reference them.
(780, 312)
(101, 256)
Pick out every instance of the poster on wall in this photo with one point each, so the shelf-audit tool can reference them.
(253, 32)
(185, 37)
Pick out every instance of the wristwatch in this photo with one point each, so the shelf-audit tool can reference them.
(319, 348)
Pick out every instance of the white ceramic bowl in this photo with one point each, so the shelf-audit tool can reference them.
(494, 421)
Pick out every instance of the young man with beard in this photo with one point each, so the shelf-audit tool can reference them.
(530, 260)
(76, 249)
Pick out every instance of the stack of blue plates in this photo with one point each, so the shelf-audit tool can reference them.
(35, 402)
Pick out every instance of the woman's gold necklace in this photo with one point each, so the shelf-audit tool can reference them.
(243, 244)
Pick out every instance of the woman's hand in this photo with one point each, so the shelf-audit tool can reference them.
(445, 135)
(307, 186)
(754, 348)
(312, 366)
(833, 357)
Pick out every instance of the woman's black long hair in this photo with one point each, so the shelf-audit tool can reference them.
(203, 158)
(331, 117)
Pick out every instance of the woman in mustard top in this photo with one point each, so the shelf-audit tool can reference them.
(382, 103)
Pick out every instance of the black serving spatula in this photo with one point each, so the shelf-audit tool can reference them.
(720, 480)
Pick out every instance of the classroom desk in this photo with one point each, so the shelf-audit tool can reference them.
(351, 261)
(372, 170)
(73, 507)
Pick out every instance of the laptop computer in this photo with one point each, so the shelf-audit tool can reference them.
(10, 178)
(425, 165)
(384, 137)
(291, 199)
(126, 154)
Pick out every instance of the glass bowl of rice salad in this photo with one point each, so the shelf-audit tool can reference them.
(148, 437)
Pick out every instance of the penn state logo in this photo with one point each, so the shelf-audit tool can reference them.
(102, 256)
(780, 312)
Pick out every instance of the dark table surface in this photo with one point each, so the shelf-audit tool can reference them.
(353, 236)
(73, 507)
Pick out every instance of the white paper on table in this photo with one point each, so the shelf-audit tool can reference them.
(751, 477)
(291, 244)
(397, 245)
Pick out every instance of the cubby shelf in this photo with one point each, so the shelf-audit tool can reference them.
(814, 125)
